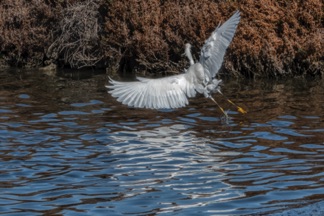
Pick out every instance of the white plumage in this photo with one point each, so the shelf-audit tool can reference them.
(174, 91)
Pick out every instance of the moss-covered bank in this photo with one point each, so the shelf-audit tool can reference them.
(274, 39)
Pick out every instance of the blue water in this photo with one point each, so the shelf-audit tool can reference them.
(71, 149)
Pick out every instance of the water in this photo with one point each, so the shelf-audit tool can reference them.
(68, 148)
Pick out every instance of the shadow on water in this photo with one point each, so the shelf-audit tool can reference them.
(67, 147)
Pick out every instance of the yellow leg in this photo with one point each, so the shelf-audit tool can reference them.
(239, 109)
(226, 116)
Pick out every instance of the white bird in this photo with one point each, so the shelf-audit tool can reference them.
(174, 91)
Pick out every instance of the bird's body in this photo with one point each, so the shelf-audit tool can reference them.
(174, 91)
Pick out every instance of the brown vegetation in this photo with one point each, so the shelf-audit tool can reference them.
(23, 35)
(28, 28)
(274, 38)
(280, 38)
(76, 40)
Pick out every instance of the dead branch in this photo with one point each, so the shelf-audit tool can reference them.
(78, 42)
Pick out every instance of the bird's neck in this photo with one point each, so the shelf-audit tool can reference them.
(189, 56)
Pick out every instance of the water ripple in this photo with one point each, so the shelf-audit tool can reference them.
(93, 156)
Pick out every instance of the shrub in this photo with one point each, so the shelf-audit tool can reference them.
(76, 39)
(279, 38)
(274, 38)
(151, 34)
(32, 31)
(23, 31)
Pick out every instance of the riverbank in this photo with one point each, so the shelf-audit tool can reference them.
(273, 40)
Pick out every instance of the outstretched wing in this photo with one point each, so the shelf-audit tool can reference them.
(163, 93)
(213, 51)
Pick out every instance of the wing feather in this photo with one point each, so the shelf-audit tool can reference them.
(213, 51)
(167, 92)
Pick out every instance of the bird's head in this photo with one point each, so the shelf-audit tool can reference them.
(188, 46)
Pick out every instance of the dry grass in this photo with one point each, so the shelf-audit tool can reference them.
(151, 34)
(279, 38)
(275, 38)
(23, 34)
(76, 40)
